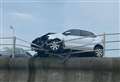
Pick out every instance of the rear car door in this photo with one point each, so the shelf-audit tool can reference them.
(86, 40)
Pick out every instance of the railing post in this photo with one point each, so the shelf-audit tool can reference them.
(104, 41)
(14, 46)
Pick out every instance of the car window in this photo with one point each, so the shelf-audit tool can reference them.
(74, 32)
(86, 33)
(77, 32)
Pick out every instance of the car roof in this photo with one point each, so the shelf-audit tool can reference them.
(79, 30)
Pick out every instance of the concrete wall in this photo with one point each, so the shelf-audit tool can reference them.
(54, 70)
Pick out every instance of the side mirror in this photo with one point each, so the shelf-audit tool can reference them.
(67, 33)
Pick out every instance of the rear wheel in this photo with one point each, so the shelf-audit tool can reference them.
(99, 52)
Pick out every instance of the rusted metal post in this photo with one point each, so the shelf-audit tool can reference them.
(14, 41)
(104, 41)
(14, 46)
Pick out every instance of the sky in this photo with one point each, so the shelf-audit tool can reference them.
(33, 18)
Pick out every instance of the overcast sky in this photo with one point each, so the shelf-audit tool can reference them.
(32, 18)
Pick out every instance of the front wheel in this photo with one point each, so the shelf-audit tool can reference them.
(99, 51)
(55, 45)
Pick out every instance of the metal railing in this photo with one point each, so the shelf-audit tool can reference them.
(14, 42)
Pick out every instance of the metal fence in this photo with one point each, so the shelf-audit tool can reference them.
(15, 42)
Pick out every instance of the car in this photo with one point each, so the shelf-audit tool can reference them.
(72, 39)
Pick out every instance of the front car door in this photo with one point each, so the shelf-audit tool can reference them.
(72, 38)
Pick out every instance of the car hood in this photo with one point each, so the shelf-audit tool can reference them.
(50, 33)
(57, 35)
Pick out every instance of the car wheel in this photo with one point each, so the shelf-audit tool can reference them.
(99, 52)
(55, 45)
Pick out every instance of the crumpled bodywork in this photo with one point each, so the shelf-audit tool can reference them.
(39, 42)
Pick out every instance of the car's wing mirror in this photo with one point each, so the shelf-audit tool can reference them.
(67, 33)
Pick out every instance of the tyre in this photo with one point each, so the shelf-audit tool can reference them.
(55, 45)
(99, 51)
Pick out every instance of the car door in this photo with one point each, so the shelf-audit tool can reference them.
(86, 41)
(71, 38)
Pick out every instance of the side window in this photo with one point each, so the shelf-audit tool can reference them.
(86, 33)
(75, 32)
(83, 33)
(72, 32)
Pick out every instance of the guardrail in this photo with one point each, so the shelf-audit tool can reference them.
(15, 39)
